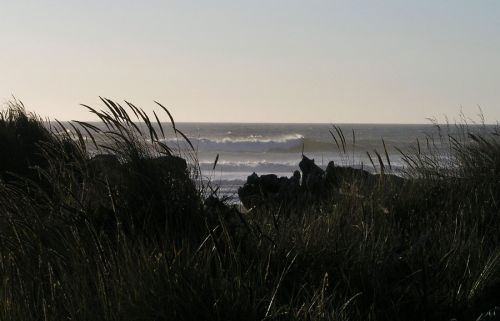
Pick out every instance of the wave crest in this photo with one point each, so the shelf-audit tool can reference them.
(251, 143)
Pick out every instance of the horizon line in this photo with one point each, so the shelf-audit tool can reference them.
(296, 123)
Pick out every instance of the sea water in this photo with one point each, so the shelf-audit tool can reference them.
(243, 149)
(227, 153)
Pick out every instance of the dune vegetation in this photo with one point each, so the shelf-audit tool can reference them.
(109, 223)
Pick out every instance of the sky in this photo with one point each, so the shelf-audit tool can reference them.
(255, 61)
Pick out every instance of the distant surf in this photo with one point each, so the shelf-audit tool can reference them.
(250, 143)
(277, 148)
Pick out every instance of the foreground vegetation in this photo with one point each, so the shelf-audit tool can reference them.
(141, 237)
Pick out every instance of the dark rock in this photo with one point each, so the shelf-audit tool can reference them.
(267, 189)
(250, 192)
(312, 186)
(253, 179)
(270, 183)
(172, 163)
(310, 169)
(335, 175)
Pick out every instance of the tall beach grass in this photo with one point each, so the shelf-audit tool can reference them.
(136, 235)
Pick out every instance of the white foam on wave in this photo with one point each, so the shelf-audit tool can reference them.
(250, 143)
(250, 166)
(255, 139)
(254, 163)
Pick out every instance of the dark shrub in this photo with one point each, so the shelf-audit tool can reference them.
(20, 137)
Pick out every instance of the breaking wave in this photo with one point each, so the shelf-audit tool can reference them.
(252, 143)
(251, 166)
(260, 144)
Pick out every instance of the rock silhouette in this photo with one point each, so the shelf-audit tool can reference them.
(311, 183)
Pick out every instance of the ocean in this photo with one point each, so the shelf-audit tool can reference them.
(264, 148)
(277, 148)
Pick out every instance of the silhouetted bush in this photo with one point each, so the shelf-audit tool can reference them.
(20, 137)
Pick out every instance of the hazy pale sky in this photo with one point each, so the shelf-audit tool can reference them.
(273, 61)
